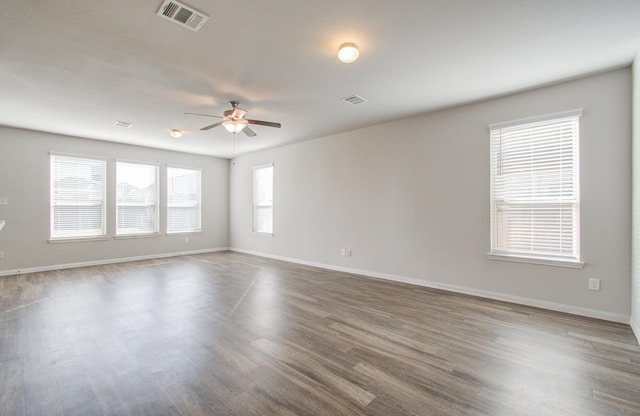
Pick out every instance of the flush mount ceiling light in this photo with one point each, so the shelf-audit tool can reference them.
(348, 52)
(175, 133)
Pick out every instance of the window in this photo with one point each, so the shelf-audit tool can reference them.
(263, 199)
(535, 201)
(77, 190)
(183, 200)
(136, 198)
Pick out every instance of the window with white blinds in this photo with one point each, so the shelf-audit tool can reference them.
(263, 199)
(136, 198)
(535, 195)
(183, 200)
(77, 205)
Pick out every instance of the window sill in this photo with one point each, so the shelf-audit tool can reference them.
(537, 260)
(179, 233)
(126, 236)
(78, 239)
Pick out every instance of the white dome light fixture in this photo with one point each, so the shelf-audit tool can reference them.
(234, 126)
(348, 52)
(175, 133)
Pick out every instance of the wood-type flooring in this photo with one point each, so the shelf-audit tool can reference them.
(233, 334)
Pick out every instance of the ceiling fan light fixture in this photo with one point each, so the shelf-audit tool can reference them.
(175, 133)
(234, 126)
(234, 121)
(348, 52)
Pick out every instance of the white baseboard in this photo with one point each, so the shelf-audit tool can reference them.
(108, 261)
(559, 307)
(635, 326)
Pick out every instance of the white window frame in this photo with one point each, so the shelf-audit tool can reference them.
(155, 204)
(261, 206)
(506, 193)
(198, 203)
(100, 234)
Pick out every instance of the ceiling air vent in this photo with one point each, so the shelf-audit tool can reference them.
(183, 15)
(122, 124)
(354, 99)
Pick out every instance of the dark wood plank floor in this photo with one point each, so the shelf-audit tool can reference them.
(231, 334)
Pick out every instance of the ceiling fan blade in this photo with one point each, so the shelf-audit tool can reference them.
(248, 131)
(206, 115)
(264, 123)
(212, 126)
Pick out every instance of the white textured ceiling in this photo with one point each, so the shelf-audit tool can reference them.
(76, 66)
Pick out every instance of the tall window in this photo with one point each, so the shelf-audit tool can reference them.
(77, 190)
(136, 198)
(183, 200)
(535, 198)
(263, 199)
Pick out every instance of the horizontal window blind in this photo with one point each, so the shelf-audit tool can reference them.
(263, 199)
(77, 197)
(183, 200)
(535, 197)
(136, 198)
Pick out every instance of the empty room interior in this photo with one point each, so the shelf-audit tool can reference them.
(357, 207)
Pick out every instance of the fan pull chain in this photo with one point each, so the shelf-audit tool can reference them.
(233, 152)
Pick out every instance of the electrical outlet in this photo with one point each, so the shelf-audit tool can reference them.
(186, 239)
(4, 200)
(594, 284)
(343, 252)
(1, 255)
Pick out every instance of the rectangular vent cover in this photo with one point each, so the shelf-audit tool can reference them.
(354, 99)
(183, 15)
(122, 124)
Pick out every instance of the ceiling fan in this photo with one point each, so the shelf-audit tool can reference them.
(233, 120)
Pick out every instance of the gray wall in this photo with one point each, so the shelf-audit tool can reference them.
(24, 180)
(635, 278)
(410, 198)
